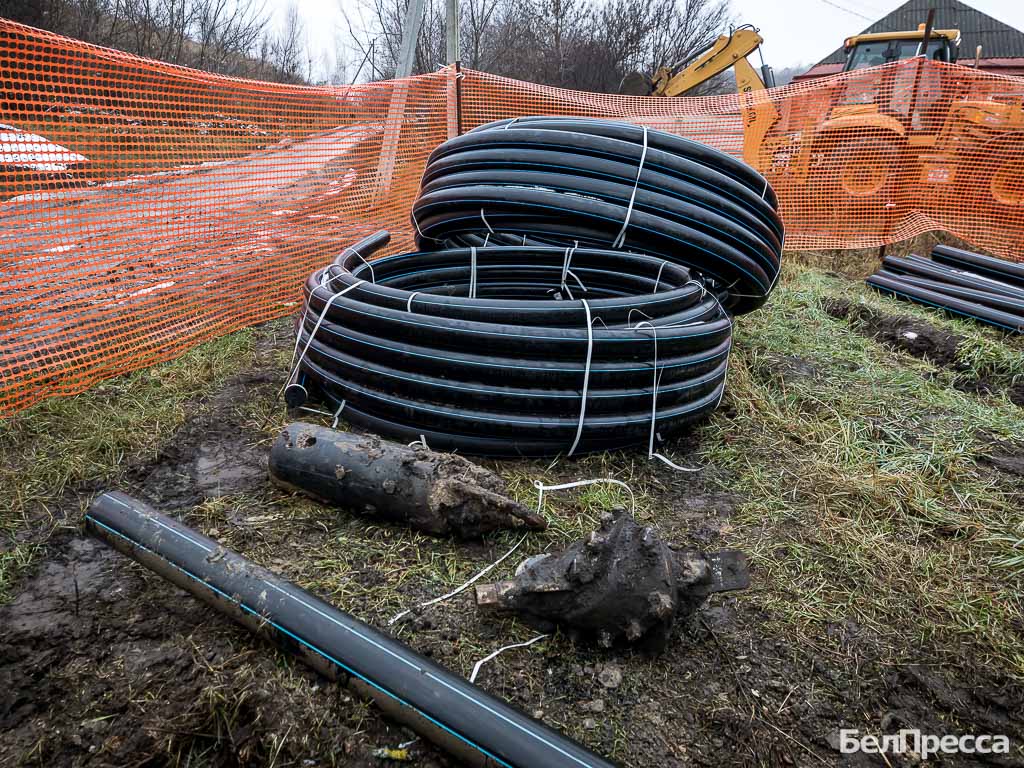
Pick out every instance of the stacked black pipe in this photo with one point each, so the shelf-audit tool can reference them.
(959, 282)
(563, 181)
(557, 274)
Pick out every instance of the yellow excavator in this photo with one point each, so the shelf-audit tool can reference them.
(728, 51)
(879, 128)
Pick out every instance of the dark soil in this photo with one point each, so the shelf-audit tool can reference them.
(920, 339)
(103, 663)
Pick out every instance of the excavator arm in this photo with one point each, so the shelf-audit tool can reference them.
(759, 114)
(727, 51)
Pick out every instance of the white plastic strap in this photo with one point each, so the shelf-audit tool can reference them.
(509, 124)
(472, 273)
(373, 277)
(408, 304)
(566, 272)
(541, 489)
(465, 586)
(490, 230)
(586, 378)
(337, 414)
(313, 410)
(765, 190)
(298, 337)
(657, 280)
(654, 404)
(485, 659)
(632, 198)
(421, 443)
(419, 231)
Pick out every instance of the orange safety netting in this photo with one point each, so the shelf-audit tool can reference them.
(145, 207)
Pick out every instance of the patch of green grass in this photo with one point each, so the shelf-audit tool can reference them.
(13, 562)
(865, 500)
(49, 448)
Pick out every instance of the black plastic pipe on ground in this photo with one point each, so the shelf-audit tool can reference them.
(472, 725)
(895, 285)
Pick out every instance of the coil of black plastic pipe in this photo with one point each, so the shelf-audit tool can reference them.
(479, 729)
(527, 366)
(605, 184)
(572, 292)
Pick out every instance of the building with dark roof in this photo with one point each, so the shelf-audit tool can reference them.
(1002, 46)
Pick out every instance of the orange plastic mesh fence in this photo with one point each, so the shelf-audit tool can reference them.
(145, 207)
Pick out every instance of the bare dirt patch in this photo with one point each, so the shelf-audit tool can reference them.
(920, 339)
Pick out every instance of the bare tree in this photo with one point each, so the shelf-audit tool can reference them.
(225, 36)
(585, 44)
(287, 48)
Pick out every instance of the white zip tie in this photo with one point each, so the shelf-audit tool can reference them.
(765, 192)
(489, 657)
(541, 488)
(586, 378)
(408, 304)
(422, 442)
(337, 414)
(632, 198)
(490, 231)
(298, 337)
(472, 273)
(373, 277)
(465, 586)
(566, 272)
(416, 224)
(657, 280)
(510, 123)
(314, 410)
(654, 404)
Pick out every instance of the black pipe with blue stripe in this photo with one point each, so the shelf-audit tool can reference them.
(474, 726)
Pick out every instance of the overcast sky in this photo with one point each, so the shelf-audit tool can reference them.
(795, 31)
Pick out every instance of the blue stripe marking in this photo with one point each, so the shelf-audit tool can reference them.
(305, 643)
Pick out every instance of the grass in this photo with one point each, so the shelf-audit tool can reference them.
(48, 450)
(863, 499)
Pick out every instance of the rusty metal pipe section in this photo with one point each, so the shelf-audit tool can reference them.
(475, 727)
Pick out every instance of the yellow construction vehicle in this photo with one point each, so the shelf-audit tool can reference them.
(898, 131)
(727, 51)
(881, 136)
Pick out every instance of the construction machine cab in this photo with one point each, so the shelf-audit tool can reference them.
(871, 50)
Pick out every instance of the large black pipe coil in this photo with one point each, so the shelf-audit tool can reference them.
(410, 354)
(603, 184)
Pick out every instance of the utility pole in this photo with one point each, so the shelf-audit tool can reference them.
(455, 64)
(452, 30)
(410, 34)
(399, 95)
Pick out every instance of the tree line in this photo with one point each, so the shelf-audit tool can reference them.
(230, 37)
(584, 44)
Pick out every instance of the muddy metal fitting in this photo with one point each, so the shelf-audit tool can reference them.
(619, 584)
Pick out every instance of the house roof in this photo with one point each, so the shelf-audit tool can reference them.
(997, 40)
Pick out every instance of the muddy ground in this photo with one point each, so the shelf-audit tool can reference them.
(103, 663)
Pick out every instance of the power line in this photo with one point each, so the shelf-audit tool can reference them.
(848, 10)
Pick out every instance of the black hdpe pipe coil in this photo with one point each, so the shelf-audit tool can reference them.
(895, 285)
(479, 729)
(603, 184)
(512, 350)
(1000, 269)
